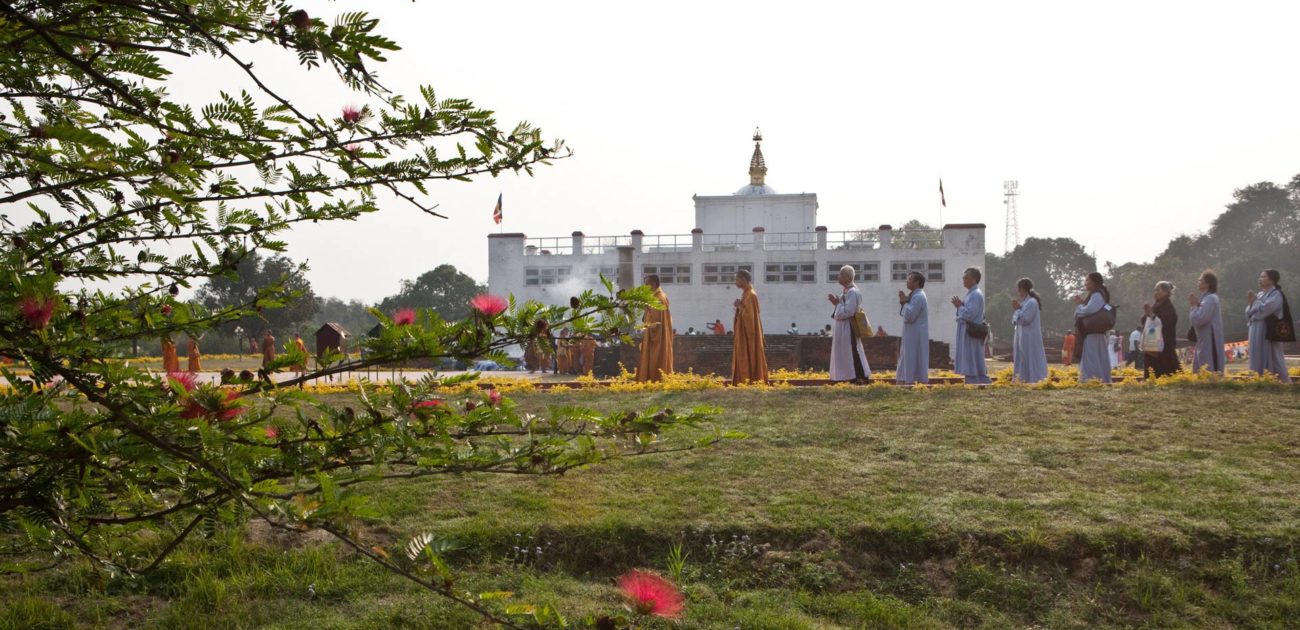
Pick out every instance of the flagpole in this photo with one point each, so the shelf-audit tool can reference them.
(943, 202)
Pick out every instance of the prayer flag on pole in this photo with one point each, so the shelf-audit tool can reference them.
(943, 200)
(496, 212)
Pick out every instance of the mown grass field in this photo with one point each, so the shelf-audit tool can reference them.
(1172, 506)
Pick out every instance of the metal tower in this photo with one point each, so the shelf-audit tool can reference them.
(1011, 190)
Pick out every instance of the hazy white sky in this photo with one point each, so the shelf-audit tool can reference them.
(1126, 123)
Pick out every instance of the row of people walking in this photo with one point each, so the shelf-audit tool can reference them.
(1267, 314)
(1094, 318)
(848, 361)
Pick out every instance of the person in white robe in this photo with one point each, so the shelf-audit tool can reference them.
(1029, 358)
(914, 345)
(1094, 362)
(969, 351)
(1265, 355)
(1207, 322)
(848, 356)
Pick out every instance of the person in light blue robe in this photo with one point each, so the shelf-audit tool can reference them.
(1207, 321)
(914, 348)
(968, 351)
(848, 357)
(1028, 356)
(1265, 355)
(1094, 362)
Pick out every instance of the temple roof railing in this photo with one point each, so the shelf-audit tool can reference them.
(884, 237)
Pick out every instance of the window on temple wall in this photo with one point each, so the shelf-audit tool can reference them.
(790, 273)
(863, 271)
(724, 273)
(610, 273)
(545, 276)
(933, 270)
(669, 274)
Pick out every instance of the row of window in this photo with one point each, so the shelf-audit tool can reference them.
(773, 273)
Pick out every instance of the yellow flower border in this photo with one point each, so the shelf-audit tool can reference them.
(1058, 378)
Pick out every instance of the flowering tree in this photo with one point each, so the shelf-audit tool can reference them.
(109, 181)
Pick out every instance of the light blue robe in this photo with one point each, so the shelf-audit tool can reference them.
(1095, 362)
(969, 351)
(1027, 347)
(914, 353)
(1207, 320)
(842, 346)
(1265, 355)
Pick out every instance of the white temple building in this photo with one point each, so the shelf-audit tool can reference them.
(793, 260)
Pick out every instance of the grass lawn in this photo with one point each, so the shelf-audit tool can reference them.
(1081, 508)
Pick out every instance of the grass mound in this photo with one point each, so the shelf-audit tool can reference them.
(949, 507)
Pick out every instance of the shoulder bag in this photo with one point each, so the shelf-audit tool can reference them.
(861, 325)
(1099, 322)
(1280, 328)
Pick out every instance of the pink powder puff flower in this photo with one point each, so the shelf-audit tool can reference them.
(427, 404)
(489, 305)
(650, 594)
(187, 380)
(217, 407)
(37, 310)
(193, 409)
(351, 114)
(352, 148)
(230, 407)
(404, 317)
(272, 433)
(494, 397)
(167, 310)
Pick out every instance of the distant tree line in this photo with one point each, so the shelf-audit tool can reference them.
(1259, 230)
(443, 289)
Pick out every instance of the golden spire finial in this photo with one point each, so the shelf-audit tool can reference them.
(757, 167)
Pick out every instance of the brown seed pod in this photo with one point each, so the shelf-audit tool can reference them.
(300, 19)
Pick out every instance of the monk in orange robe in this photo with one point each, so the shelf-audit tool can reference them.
(748, 358)
(1067, 349)
(192, 351)
(301, 347)
(588, 351)
(171, 362)
(563, 361)
(657, 340)
(268, 349)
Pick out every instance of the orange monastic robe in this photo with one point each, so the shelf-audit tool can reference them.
(193, 353)
(562, 358)
(748, 359)
(268, 350)
(171, 362)
(588, 355)
(1067, 350)
(302, 347)
(657, 342)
